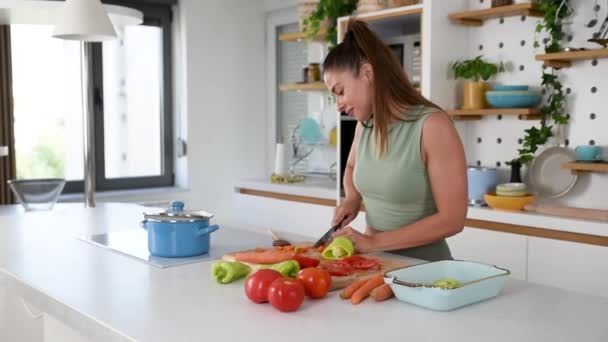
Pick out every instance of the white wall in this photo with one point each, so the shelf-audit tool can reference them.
(225, 90)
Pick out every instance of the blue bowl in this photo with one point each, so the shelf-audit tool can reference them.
(510, 87)
(513, 98)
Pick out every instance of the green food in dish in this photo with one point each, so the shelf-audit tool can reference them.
(447, 283)
(225, 272)
(289, 268)
(340, 248)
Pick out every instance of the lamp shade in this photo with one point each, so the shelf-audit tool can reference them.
(84, 20)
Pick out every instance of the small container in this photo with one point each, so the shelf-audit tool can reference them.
(314, 72)
(305, 75)
(176, 233)
(478, 282)
(480, 181)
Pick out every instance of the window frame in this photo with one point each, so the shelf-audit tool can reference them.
(154, 15)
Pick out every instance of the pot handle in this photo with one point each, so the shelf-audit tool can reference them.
(143, 224)
(208, 230)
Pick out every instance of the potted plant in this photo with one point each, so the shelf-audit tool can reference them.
(476, 71)
(328, 11)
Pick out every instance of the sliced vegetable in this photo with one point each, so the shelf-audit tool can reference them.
(447, 283)
(225, 272)
(338, 268)
(382, 292)
(265, 257)
(289, 268)
(305, 261)
(352, 287)
(364, 291)
(363, 263)
(340, 248)
(321, 248)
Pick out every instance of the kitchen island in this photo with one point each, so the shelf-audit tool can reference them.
(106, 296)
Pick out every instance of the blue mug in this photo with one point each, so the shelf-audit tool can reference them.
(587, 152)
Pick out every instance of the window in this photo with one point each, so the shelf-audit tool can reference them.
(132, 106)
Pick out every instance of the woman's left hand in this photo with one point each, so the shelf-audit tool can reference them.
(363, 243)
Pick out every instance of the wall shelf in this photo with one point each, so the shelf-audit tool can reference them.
(476, 18)
(477, 114)
(564, 59)
(312, 86)
(586, 167)
(300, 36)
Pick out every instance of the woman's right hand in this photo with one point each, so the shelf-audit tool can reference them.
(346, 212)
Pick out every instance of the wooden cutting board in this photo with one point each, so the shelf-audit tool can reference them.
(338, 283)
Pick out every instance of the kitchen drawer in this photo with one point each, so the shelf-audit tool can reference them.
(569, 265)
(494, 248)
(19, 321)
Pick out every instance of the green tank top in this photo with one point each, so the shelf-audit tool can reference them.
(396, 189)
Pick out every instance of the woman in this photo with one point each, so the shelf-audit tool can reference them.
(406, 162)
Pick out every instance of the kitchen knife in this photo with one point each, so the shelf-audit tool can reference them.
(323, 240)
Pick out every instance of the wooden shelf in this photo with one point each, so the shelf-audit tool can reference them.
(477, 114)
(564, 59)
(476, 18)
(313, 86)
(586, 167)
(300, 36)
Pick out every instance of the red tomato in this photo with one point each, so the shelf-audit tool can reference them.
(316, 281)
(306, 262)
(257, 284)
(362, 263)
(338, 268)
(286, 294)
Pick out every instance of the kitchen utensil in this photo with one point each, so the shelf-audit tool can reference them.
(510, 203)
(547, 178)
(594, 21)
(601, 33)
(513, 98)
(587, 153)
(480, 181)
(176, 233)
(601, 41)
(571, 212)
(477, 282)
(37, 194)
(327, 236)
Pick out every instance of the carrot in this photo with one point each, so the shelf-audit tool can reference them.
(364, 291)
(382, 292)
(267, 257)
(352, 287)
(260, 250)
(320, 248)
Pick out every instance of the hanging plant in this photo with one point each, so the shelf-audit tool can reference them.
(555, 11)
(328, 11)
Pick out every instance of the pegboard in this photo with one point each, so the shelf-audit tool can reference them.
(495, 139)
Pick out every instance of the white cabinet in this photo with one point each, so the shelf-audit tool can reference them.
(495, 248)
(568, 265)
(19, 321)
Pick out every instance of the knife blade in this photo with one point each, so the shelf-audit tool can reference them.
(326, 236)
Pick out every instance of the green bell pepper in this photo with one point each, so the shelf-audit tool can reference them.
(288, 268)
(340, 248)
(225, 272)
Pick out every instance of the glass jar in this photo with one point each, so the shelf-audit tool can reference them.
(314, 72)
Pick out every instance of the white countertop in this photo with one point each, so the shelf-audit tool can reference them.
(312, 186)
(111, 297)
(324, 188)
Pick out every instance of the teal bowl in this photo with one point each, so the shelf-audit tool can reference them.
(510, 87)
(513, 98)
(478, 282)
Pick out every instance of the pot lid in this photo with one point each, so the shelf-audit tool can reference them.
(176, 213)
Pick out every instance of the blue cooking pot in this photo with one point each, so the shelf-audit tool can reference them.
(176, 233)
